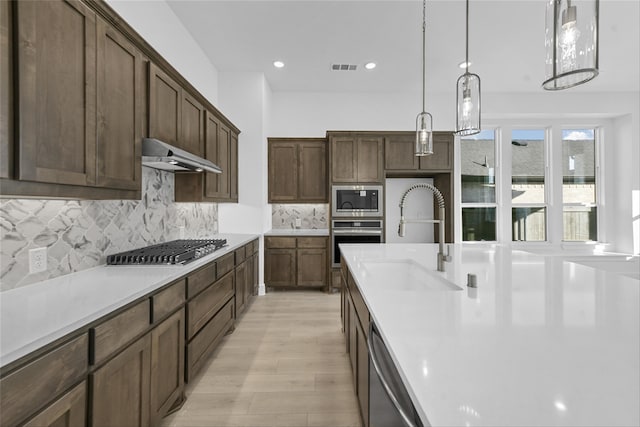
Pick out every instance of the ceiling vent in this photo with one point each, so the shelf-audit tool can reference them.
(344, 67)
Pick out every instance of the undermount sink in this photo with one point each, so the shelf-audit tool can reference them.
(406, 275)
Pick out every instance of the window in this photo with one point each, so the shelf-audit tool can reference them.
(528, 181)
(478, 159)
(528, 177)
(579, 216)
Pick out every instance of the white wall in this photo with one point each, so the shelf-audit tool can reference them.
(161, 28)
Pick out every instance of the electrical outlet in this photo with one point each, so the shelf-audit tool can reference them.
(298, 223)
(37, 260)
(181, 232)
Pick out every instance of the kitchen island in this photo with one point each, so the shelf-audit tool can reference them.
(540, 341)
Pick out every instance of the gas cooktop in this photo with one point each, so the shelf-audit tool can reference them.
(173, 252)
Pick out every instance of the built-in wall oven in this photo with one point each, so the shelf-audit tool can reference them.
(357, 201)
(353, 231)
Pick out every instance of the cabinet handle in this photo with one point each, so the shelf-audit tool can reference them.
(376, 365)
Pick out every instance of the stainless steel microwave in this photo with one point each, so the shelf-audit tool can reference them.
(357, 201)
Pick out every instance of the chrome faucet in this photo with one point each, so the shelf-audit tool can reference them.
(440, 198)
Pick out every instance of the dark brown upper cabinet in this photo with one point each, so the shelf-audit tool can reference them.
(233, 167)
(6, 91)
(356, 158)
(216, 149)
(297, 170)
(220, 147)
(165, 102)
(399, 157)
(175, 116)
(57, 87)
(79, 104)
(121, 109)
(192, 124)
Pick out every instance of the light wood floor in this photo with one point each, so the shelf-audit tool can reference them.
(285, 365)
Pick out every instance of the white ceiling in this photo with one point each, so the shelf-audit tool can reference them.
(506, 43)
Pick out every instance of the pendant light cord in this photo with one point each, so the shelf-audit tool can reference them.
(424, 42)
(467, 44)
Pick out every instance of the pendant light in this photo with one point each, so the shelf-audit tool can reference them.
(468, 96)
(571, 41)
(424, 121)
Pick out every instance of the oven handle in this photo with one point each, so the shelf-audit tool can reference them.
(357, 231)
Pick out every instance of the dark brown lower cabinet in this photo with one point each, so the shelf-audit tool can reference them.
(296, 261)
(120, 388)
(355, 325)
(241, 287)
(68, 411)
(167, 366)
(280, 267)
(363, 375)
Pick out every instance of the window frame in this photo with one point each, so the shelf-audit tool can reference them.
(553, 181)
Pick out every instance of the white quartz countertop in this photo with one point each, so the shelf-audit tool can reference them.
(541, 342)
(35, 315)
(298, 232)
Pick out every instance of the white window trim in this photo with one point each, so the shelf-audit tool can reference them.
(553, 178)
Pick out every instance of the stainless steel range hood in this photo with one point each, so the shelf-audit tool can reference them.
(160, 155)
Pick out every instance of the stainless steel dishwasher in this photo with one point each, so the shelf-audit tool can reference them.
(389, 401)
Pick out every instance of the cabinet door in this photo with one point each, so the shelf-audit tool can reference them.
(164, 106)
(167, 365)
(120, 389)
(68, 411)
(312, 267)
(233, 167)
(280, 267)
(192, 125)
(363, 375)
(353, 341)
(370, 157)
(217, 150)
(57, 86)
(6, 91)
(442, 157)
(120, 108)
(283, 172)
(256, 274)
(241, 287)
(344, 158)
(399, 153)
(312, 173)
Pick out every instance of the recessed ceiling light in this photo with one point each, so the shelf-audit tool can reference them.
(278, 64)
(370, 65)
(464, 65)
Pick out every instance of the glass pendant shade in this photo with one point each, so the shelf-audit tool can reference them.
(571, 42)
(424, 134)
(468, 104)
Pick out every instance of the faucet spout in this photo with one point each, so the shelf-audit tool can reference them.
(441, 222)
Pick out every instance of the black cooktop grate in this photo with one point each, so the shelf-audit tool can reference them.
(173, 252)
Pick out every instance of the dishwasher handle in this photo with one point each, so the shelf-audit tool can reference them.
(373, 334)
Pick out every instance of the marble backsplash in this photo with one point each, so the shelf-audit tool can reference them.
(313, 216)
(79, 234)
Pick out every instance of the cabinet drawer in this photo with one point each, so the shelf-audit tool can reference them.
(203, 307)
(114, 333)
(255, 246)
(224, 265)
(199, 280)
(280, 242)
(71, 407)
(240, 255)
(312, 242)
(167, 301)
(28, 389)
(207, 340)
